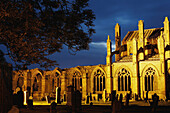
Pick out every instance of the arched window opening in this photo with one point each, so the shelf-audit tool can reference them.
(53, 86)
(20, 82)
(77, 81)
(58, 79)
(99, 80)
(124, 80)
(149, 79)
(37, 85)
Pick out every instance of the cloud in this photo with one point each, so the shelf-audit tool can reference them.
(101, 45)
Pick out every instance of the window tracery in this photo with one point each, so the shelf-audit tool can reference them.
(149, 78)
(124, 80)
(99, 80)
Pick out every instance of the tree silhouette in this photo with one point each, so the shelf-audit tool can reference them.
(33, 29)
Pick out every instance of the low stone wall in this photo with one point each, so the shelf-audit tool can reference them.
(6, 98)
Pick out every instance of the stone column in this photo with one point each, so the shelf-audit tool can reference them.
(84, 81)
(25, 81)
(43, 87)
(162, 87)
(63, 83)
(134, 79)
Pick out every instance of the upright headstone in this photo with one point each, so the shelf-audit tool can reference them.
(76, 103)
(20, 95)
(146, 99)
(53, 107)
(113, 96)
(56, 94)
(127, 99)
(120, 99)
(115, 106)
(64, 96)
(87, 99)
(25, 97)
(59, 95)
(104, 95)
(69, 95)
(17, 89)
(30, 103)
(48, 99)
(155, 99)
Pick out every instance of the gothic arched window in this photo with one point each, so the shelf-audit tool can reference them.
(58, 79)
(99, 80)
(77, 81)
(149, 78)
(124, 81)
(37, 85)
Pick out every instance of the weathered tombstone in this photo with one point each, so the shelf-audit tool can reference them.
(88, 99)
(48, 99)
(113, 96)
(146, 99)
(127, 99)
(30, 103)
(53, 107)
(115, 106)
(15, 99)
(104, 95)
(17, 89)
(76, 103)
(58, 95)
(91, 103)
(136, 97)
(25, 97)
(64, 96)
(155, 99)
(20, 95)
(69, 95)
(120, 99)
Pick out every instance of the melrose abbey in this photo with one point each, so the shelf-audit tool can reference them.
(141, 67)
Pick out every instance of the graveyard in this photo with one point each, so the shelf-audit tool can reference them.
(74, 104)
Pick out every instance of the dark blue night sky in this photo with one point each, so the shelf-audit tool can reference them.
(109, 12)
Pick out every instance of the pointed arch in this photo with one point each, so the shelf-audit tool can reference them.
(76, 78)
(149, 78)
(124, 74)
(150, 65)
(120, 67)
(98, 78)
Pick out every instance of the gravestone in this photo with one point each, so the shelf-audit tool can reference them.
(120, 99)
(90, 97)
(136, 97)
(20, 95)
(127, 99)
(104, 95)
(53, 107)
(25, 97)
(15, 99)
(17, 89)
(48, 99)
(69, 95)
(113, 96)
(115, 106)
(87, 99)
(76, 103)
(155, 99)
(57, 99)
(30, 103)
(146, 99)
(64, 96)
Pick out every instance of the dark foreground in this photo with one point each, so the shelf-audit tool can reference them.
(132, 108)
